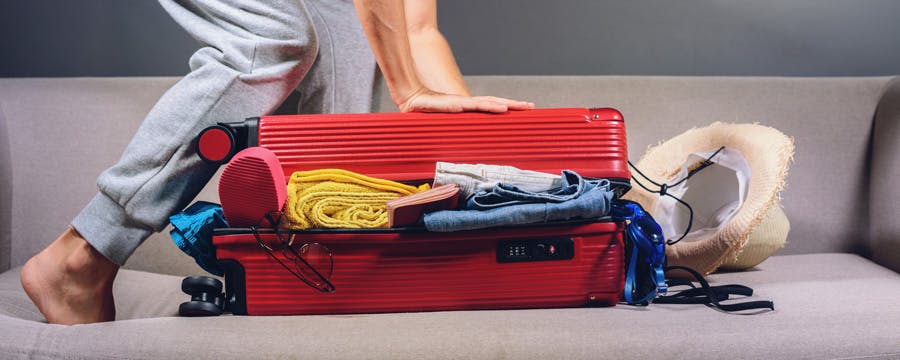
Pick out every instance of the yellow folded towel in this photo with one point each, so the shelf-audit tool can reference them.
(335, 198)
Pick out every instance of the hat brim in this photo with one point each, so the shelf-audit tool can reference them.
(768, 153)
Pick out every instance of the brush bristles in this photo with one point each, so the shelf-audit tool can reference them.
(251, 187)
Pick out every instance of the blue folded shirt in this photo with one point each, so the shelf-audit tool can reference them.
(192, 232)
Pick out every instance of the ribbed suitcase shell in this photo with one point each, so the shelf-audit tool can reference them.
(406, 146)
(415, 270)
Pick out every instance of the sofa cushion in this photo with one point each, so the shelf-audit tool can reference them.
(827, 306)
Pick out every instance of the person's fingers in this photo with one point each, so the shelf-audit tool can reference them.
(512, 104)
(521, 105)
(477, 104)
(500, 100)
(435, 102)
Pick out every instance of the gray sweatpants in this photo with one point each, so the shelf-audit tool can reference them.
(255, 53)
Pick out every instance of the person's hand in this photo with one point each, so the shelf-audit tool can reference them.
(426, 100)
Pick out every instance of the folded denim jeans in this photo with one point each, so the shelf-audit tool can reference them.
(473, 178)
(504, 194)
(526, 208)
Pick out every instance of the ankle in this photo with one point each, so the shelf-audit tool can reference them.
(83, 262)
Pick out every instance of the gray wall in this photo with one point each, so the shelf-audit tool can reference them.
(541, 37)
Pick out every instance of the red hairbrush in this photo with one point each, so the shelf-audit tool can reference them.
(252, 185)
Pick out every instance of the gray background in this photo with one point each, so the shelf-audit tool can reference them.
(506, 37)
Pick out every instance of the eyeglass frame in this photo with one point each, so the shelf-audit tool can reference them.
(289, 252)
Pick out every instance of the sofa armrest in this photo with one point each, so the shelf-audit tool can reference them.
(884, 201)
(5, 195)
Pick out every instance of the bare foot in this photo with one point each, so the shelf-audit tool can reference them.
(70, 282)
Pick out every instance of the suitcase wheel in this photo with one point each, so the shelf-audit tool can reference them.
(206, 294)
(199, 308)
(200, 284)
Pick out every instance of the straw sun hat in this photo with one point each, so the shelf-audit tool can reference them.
(738, 221)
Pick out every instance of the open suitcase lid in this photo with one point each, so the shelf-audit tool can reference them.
(406, 146)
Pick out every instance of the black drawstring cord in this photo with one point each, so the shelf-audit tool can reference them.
(663, 189)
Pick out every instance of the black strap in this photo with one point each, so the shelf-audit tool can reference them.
(710, 295)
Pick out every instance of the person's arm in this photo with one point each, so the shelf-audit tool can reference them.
(384, 22)
(434, 61)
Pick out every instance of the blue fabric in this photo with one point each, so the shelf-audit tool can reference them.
(507, 205)
(192, 233)
(648, 246)
(503, 194)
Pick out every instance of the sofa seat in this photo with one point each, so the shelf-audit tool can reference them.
(828, 306)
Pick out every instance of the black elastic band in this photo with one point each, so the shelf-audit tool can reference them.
(710, 295)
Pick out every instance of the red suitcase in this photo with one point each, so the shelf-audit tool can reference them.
(410, 269)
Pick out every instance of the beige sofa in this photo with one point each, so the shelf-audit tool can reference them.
(835, 285)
